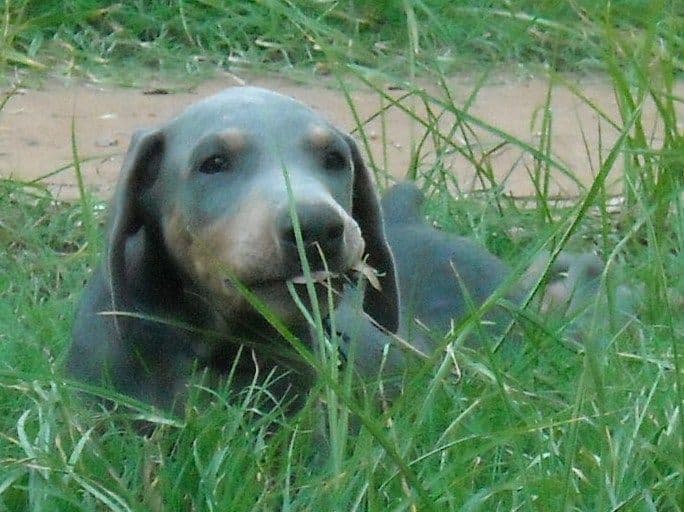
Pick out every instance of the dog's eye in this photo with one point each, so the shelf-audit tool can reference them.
(215, 164)
(334, 159)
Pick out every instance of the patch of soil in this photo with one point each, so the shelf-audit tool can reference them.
(35, 129)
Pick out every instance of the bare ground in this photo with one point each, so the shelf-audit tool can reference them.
(35, 128)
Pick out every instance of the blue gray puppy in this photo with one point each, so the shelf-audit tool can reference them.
(203, 203)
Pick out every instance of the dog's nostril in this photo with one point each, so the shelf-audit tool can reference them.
(309, 235)
(335, 232)
(314, 235)
(290, 235)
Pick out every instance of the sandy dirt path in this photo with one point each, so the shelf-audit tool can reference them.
(35, 128)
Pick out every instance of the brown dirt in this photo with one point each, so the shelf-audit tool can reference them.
(35, 128)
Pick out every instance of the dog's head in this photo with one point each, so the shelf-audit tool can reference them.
(223, 187)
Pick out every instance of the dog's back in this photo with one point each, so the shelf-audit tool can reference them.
(442, 277)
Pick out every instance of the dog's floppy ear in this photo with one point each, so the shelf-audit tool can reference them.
(139, 170)
(382, 305)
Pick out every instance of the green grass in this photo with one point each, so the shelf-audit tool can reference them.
(161, 37)
(553, 428)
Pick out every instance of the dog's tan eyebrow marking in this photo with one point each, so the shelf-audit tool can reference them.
(319, 136)
(235, 139)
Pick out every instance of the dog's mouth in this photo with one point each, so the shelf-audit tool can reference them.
(320, 277)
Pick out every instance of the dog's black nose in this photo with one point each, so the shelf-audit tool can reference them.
(322, 230)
